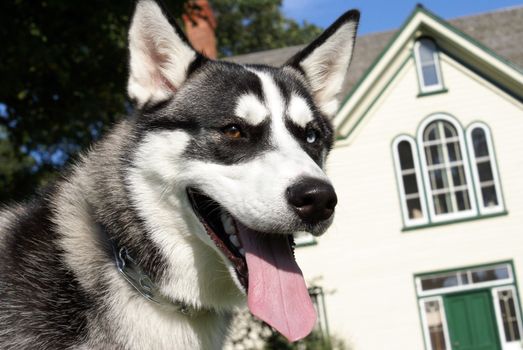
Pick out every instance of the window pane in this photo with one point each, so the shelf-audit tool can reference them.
(454, 151)
(509, 316)
(485, 171)
(434, 154)
(480, 142)
(405, 153)
(490, 199)
(426, 51)
(439, 281)
(458, 175)
(442, 203)
(450, 131)
(462, 200)
(414, 208)
(412, 204)
(410, 184)
(438, 179)
(435, 325)
(430, 76)
(432, 132)
(490, 274)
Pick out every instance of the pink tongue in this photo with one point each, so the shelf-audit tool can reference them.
(277, 292)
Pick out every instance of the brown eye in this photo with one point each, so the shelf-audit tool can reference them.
(232, 131)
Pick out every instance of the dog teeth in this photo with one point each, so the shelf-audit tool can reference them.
(228, 224)
(234, 240)
(242, 251)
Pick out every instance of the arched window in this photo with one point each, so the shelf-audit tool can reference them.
(444, 160)
(427, 63)
(484, 170)
(442, 176)
(409, 181)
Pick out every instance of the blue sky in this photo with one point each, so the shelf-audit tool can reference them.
(382, 15)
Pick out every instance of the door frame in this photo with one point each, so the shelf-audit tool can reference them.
(493, 287)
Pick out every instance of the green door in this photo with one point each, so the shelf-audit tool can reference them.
(471, 321)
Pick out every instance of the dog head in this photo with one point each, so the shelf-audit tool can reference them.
(233, 155)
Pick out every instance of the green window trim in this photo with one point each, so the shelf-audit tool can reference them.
(456, 221)
(436, 92)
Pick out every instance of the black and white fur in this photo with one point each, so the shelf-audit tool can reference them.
(59, 288)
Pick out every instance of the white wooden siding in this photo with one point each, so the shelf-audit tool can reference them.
(366, 262)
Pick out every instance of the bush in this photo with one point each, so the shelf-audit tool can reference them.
(249, 333)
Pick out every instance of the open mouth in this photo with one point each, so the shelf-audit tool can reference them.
(222, 229)
(265, 266)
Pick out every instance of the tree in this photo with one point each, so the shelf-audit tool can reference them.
(254, 25)
(64, 72)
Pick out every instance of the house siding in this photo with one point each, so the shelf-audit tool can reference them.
(366, 263)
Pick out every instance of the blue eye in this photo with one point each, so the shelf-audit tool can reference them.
(312, 136)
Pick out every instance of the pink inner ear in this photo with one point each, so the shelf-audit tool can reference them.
(157, 59)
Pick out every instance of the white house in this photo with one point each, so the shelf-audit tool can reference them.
(426, 250)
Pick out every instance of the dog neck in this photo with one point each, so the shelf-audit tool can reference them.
(131, 271)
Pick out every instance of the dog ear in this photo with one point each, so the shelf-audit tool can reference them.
(326, 60)
(160, 55)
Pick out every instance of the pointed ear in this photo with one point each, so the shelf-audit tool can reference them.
(325, 61)
(160, 55)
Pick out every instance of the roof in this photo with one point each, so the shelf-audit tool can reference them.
(489, 28)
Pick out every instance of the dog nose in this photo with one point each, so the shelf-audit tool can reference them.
(312, 199)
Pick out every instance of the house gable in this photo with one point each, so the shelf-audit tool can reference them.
(452, 43)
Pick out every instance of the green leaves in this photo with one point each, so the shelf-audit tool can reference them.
(64, 74)
(254, 25)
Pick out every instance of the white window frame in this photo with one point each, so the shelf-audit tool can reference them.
(424, 321)
(430, 88)
(399, 176)
(493, 164)
(470, 286)
(505, 345)
(425, 173)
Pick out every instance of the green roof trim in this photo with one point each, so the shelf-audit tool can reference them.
(377, 59)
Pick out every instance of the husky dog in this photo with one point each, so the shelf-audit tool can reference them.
(186, 209)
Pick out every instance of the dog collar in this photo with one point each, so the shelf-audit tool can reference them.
(131, 271)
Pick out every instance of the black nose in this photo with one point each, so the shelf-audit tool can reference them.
(312, 199)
